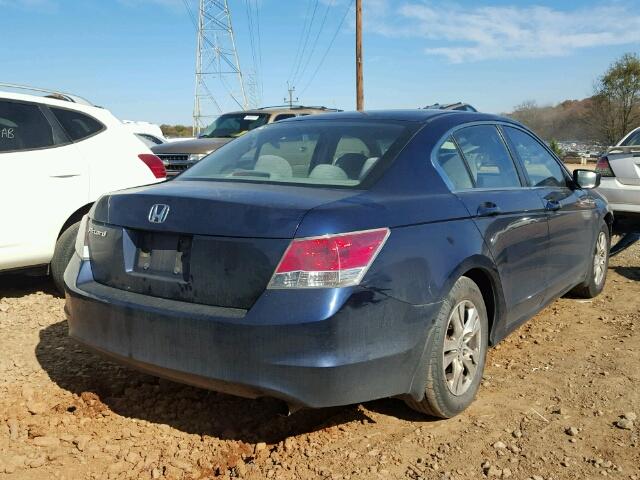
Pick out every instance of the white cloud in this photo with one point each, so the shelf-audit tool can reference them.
(463, 34)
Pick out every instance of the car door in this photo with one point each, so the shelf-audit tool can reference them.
(570, 212)
(510, 218)
(42, 184)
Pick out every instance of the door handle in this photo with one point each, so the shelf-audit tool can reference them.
(552, 206)
(488, 209)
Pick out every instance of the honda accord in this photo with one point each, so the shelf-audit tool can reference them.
(340, 258)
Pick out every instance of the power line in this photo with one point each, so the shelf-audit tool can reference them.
(191, 14)
(306, 40)
(300, 41)
(257, 9)
(253, 77)
(326, 53)
(315, 42)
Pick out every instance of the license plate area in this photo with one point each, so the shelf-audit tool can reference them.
(162, 255)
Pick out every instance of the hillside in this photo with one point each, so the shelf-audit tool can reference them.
(568, 120)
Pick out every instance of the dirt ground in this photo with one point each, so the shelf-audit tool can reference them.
(558, 401)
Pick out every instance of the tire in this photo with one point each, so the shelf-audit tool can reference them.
(62, 255)
(442, 396)
(597, 275)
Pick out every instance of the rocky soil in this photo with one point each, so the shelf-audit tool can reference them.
(559, 400)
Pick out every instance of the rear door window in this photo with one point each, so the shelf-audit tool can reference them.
(452, 165)
(487, 156)
(23, 126)
(77, 125)
(542, 168)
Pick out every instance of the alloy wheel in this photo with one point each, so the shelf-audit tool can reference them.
(600, 258)
(462, 347)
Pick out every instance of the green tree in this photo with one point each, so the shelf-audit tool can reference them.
(553, 145)
(615, 108)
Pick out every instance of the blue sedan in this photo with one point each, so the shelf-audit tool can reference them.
(340, 258)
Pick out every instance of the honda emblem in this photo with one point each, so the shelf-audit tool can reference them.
(158, 213)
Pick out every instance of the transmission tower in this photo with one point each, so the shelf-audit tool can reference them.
(218, 74)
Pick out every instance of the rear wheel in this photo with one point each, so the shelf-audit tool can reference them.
(456, 352)
(597, 275)
(62, 255)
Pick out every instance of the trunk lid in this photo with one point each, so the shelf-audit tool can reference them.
(219, 243)
(625, 163)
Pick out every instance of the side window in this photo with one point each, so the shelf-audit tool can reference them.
(23, 127)
(283, 116)
(452, 165)
(76, 124)
(541, 167)
(487, 156)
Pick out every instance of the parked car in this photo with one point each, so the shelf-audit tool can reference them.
(59, 154)
(180, 155)
(149, 133)
(620, 171)
(460, 106)
(340, 258)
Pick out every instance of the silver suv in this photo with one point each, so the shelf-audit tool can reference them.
(178, 156)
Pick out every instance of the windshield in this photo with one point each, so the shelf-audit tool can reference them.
(304, 152)
(234, 125)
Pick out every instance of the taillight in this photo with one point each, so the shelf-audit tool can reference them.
(329, 261)
(82, 247)
(155, 164)
(604, 168)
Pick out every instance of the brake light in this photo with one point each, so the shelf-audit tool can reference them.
(604, 168)
(155, 164)
(329, 261)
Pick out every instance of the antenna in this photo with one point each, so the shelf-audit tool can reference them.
(218, 74)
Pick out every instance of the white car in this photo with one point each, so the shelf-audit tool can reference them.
(59, 154)
(149, 133)
(620, 184)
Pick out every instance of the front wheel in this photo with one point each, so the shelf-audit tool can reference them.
(597, 276)
(456, 352)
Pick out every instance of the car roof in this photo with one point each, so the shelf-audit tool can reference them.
(286, 109)
(414, 115)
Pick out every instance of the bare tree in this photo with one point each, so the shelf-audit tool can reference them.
(615, 108)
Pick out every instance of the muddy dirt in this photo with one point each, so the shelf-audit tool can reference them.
(558, 401)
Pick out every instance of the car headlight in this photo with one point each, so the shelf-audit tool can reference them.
(82, 249)
(196, 157)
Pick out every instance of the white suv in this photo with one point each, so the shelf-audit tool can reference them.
(58, 154)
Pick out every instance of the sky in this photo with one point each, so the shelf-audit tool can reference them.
(137, 57)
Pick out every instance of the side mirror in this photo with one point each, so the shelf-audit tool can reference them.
(586, 179)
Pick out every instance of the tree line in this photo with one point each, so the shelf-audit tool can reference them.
(610, 113)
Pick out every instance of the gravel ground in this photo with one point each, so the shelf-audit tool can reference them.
(558, 401)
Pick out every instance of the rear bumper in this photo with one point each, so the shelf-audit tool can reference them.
(314, 348)
(621, 197)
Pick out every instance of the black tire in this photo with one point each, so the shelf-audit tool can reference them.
(62, 254)
(592, 287)
(439, 400)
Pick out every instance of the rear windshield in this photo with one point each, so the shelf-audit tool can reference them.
(632, 140)
(309, 152)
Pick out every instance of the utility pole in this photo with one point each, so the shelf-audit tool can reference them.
(218, 75)
(359, 74)
(291, 91)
